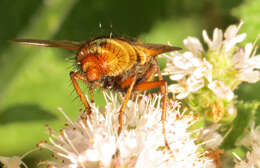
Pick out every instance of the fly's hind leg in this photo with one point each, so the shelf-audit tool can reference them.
(143, 85)
(164, 106)
(126, 99)
(74, 76)
(146, 85)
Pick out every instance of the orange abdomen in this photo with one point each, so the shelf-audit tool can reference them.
(112, 56)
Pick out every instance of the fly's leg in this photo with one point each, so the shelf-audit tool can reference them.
(73, 77)
(148, 85)
(164, 106)
(148, 76)
(142, 86)
(90, 88)
(122, 109)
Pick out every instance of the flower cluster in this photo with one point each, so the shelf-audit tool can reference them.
(95, 142)
(213, 74)
(213, 68)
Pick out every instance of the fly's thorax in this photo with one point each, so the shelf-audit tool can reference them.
(110, 56)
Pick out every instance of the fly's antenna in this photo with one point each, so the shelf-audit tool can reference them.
(111, 33)
(100, 26)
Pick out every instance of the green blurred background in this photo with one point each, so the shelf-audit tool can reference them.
(35, 81)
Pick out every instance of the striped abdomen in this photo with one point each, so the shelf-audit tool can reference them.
(111, 56)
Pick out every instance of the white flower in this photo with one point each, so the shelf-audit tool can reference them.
(221, 90)
(216, 42)
(95, 143)
(247, 64)
(103, 149)
(252, 140)
(188, 69)
(194, 45)
(190, 72)
(83, 143)
(184, 88)
(14, 161)
(152, 158)
(231, 38)
(212, 138)
(179, 65)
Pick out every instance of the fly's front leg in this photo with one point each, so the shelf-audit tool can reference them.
(73, 77)
(90, 88)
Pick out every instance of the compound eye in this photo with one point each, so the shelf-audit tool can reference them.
(93, 74)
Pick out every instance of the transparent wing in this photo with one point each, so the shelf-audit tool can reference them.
(68, 45)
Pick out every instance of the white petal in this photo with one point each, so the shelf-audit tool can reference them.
(177, 77)
(129, 144)
(184, 61)
(231, 31)
(221, 90)
(250, 76)
(194, 45)
(255, 61)
(176, 88)
(217, 38)
(229, 44)
(216, 41)
(248, 50)
(182, 95)
(92, 155)
(195, 84)
(150, 158)
(206, 38)
(198, 73)
(239, 59)
(208, 70)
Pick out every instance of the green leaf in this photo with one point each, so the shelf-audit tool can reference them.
(45, 22)
(245, 114)
(23, 87)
